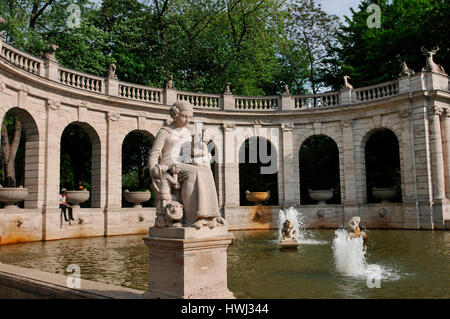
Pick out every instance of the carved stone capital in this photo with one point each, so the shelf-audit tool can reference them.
(446, 113)
(347, 123)
(113, 116)
(53, 104)
(2, 86)
(435, 110)
(24, 88)
(83, 104)
(405, 113)
(287, 127)
(228, 127)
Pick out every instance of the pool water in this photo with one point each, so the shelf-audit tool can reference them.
(414, 264)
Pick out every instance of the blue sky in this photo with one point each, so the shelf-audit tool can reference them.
(338, 7)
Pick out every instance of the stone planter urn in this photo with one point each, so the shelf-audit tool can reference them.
(137, 198)
(384, 194)
(12, 195)
(321, 195)
(75, 198)
(257, 197)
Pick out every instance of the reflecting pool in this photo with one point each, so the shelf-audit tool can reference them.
(414, 264)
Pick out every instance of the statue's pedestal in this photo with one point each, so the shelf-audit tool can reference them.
(188, 263)
(289, 243)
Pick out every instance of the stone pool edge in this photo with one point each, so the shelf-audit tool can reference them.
(26, 283)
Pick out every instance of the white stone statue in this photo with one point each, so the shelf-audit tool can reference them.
(347, 85)
(405, 69)
(112, 71)
(176, 180)
(431, 66)
(354, 230)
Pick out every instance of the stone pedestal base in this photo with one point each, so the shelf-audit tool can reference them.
(289, 244)
(187, 263)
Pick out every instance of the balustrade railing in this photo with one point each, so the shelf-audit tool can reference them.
(140, 92)
(316, 100)
(92, 83)
(21, 59)
(376, 92)
(81, 80)
(257, 103)
(200, 99)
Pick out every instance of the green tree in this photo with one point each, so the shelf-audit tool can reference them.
(12, 151)
(372, 56)
(311, 29)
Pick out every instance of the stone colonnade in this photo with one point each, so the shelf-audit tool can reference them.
(418, 114)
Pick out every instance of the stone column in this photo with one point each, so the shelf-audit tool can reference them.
(231, 167)
(113, 170)
(188, 263)
(349, 198)
(288, 164)
(446, 142)
(437, 160)
(434, 114)
(52, 155)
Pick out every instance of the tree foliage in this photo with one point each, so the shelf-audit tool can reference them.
(374, 55)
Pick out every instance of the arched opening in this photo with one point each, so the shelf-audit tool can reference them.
(80, 161)
(258, 167)
(136, 148)
(382, 158)
(319, 169)
(20, 154)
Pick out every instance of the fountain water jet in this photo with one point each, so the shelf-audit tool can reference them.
(350, 258)
(301, 235)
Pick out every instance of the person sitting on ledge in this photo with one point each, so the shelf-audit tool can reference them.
(63, 205)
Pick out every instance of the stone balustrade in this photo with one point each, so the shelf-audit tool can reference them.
(140, 92)
(226, 101)
(316, 100)
(376, 92)
(81, 80)
(200, 100)
(257, 103)
(21, 59)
